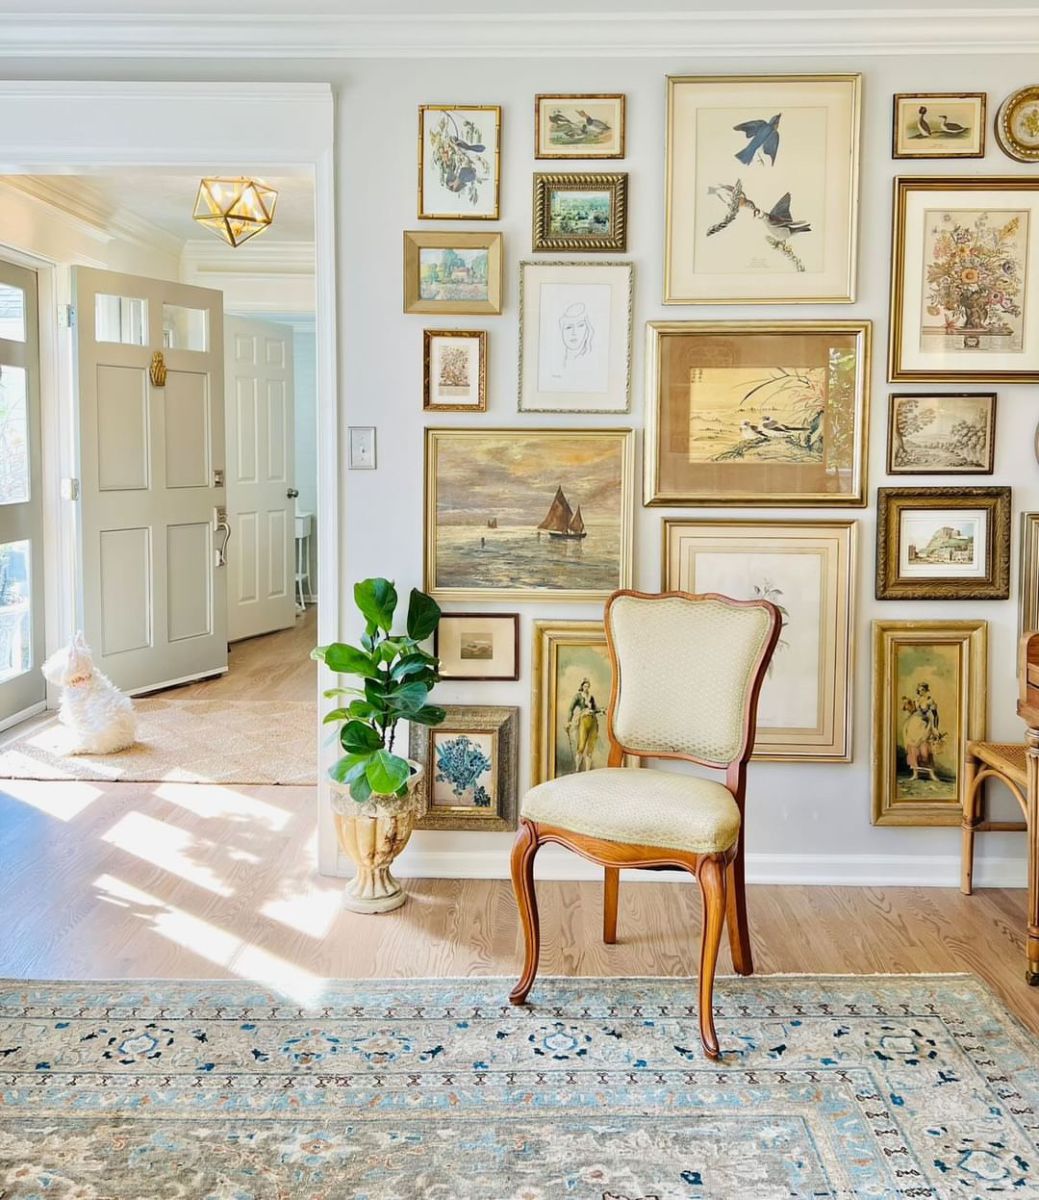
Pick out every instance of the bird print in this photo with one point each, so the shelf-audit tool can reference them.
(779, 221)
(773, 427)
(733, 195)
(923, 126)
(952, 128)
(593, 124)
(762, 139)
(749, 432)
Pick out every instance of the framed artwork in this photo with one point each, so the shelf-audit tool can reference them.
(470, 761)
(943, 543)
(930, 689)
(762, 189)
(452, 273)
(938, 125)
(948, 434)
(578, 126)
(757, 412)
(475, 646)
(1028, 586)
(528, 514)
(581, 211)
(965, 256)
(1017, 125)
(454, 370)
(459, 166)
(807, 569)
(575, 336)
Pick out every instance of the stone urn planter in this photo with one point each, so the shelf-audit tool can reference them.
(373, 834)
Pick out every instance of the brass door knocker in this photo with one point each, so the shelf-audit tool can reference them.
(157, 370)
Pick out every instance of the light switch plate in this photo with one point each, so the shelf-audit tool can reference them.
(362, 447)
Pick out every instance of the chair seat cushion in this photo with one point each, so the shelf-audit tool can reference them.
(639, 807)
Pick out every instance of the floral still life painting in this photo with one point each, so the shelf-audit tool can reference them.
(463, 770)
(458, 171)
(941, 434)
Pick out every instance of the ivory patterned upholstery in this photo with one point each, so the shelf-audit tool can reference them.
(639, 807)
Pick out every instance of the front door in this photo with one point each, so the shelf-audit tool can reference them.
(151, 440)
(21, 499)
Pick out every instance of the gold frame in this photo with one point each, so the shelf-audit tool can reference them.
(1028, 574)
(972, 638)
(961, 96)
(903, 185)
(626, 438)
(480, 336)
(995, 585)
(459, 216)
(1005, 138)
(848, 296)
(416, 240)
(892, 405)
(566, 152)
(546, 182)
(779, 745)
(656, 330)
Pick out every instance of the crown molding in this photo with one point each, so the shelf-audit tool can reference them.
(320, 35)
(257, 257)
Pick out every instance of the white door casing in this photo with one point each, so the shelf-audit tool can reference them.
(259, 407)
(154, 596)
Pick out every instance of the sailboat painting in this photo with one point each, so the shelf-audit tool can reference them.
(542, 514)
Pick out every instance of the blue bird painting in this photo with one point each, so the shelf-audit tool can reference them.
(762, 138)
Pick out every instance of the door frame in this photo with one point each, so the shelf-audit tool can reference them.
(208, 127)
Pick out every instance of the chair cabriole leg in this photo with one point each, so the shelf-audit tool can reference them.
(523, 851)
(610, 897)
(739, 925)
(712, 875)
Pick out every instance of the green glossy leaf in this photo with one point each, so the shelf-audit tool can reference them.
(408, 696)
(362, 710)
(337, 714)
(414, 664)
(428, 714)
(360, 788)
(377, 600)
(358, 738)
(349, 767)
(347, 660)
(387, 772)
(423, 615)
(329, 693)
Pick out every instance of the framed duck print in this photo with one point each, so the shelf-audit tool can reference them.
(761, 189)
(757, 412)
(965, 258)
(807, 569)
(938, 125)
(578, 126)
(459, 166)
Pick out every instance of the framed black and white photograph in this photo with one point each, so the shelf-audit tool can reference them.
(478, 646)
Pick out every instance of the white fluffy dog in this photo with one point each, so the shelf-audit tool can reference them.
(102, 718)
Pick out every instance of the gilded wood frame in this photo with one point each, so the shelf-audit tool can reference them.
(972, 639)
(511, 618)
(478, 335)
(416, 240)
(566, 152)
(980, 97)
(994, 585)
(545, 183)
(459, 216)
(1028, 574)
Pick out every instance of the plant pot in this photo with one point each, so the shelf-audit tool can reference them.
(373, 834)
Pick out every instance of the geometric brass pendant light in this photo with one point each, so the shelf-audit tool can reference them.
(235, 209)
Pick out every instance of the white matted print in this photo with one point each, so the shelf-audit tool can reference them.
(942, 543)
(458, 161)
(575, 336)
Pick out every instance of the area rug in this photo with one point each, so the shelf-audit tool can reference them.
(882, 1086)
(184, 741)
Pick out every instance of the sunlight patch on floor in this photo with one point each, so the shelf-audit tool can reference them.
(222, 802)
(168, 847)
(65, 799)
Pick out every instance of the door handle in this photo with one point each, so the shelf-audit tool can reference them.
(222, 524)
(292, 493)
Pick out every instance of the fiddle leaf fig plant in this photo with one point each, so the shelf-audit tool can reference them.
(395, 675)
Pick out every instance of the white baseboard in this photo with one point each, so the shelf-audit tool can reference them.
(852, 870)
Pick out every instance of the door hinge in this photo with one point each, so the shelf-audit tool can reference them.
(67, 316)
(70, 489)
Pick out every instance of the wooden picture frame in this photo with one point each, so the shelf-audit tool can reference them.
(930, 693)
(459, 159)
(938, 125)
(568, 125)
(564, 222)
(964, 255)
(1028, 574)
(958, 433)
(806, 568)
(480, 638)
(757, 412)
(473, 287)
(943, 543)
(451, 381)
(456, 793)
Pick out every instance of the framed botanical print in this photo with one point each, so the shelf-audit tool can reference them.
(477, 646)
(458, 161)
(580, 211)
(807, 569)
(454, 370)
(470, 762)
(965, 257)
(452, 273)
(578, 126)
(943, 543)
(762, 189)
(757, 412)
(941, 434)
(575, 336)
(930, 684)
(938, 125)
(528, 514)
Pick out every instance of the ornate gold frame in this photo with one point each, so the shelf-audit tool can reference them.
(892, 501)
(479, 335)
(459, 216)
(1005, 138)
(421, 239)
(580, 181)
(961, 96)
(972, 637)
(1028, 574)
(566, 151)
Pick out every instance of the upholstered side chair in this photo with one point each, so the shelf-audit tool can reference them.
(687, 671)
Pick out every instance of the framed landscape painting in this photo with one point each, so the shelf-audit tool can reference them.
(452, 273)
(528, 514)
(947, 434)
(938, 125)
(930, 685)
(807, 569)
(762, 189)
(757, 412)
(578, 126)
(454, 370)
(965, 257)
(575, 336)
(582, 211)
(459, 165)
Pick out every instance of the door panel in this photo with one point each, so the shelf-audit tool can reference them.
(122, 429)
(189, 551)
(188, 421)
(125, 561)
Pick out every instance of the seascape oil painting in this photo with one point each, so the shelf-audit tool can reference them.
(538, 512)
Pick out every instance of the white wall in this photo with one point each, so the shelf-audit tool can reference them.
(304, 363)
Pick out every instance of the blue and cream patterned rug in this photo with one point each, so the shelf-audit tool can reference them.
(873, 1086)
